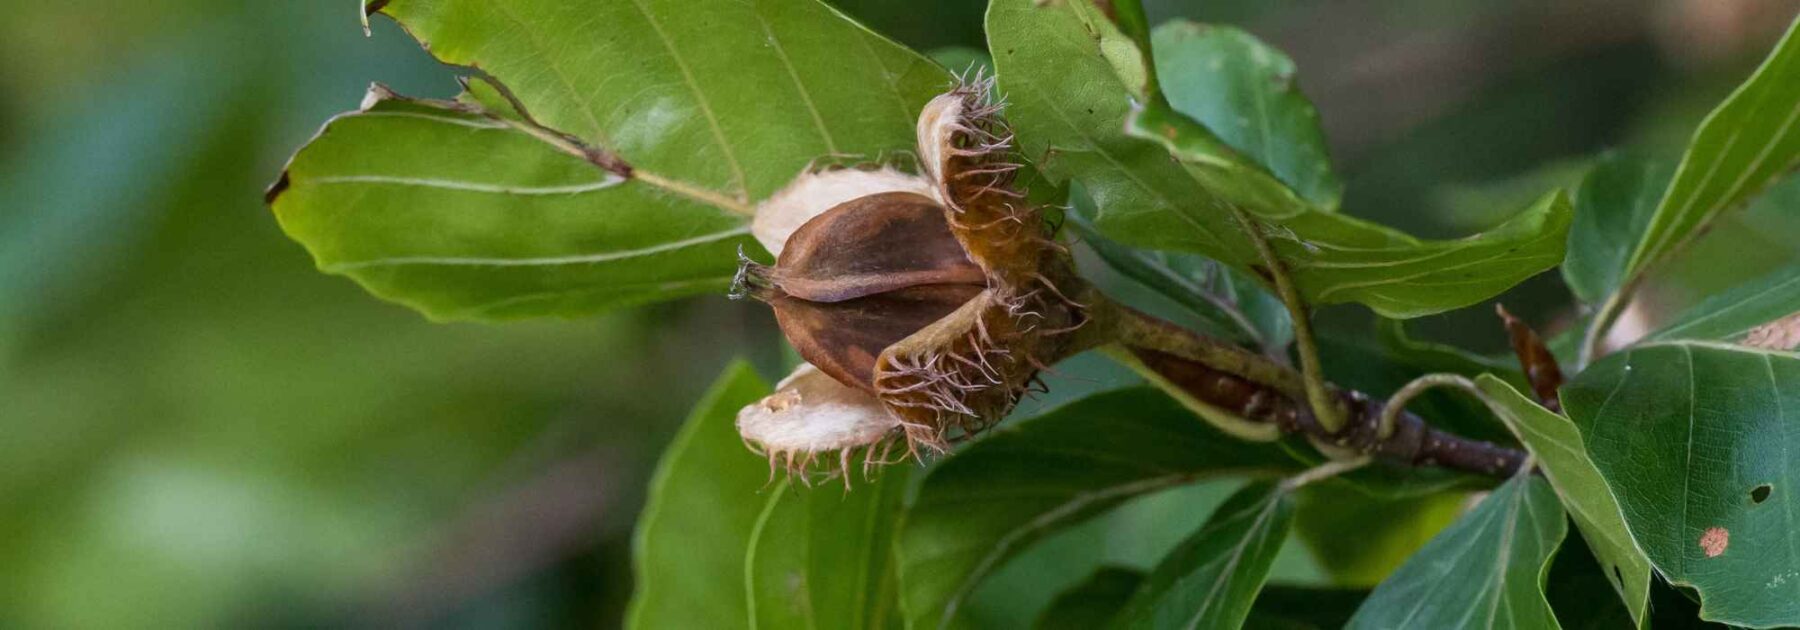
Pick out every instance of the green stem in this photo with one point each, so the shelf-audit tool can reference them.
(1397, 403)
(1325, 406)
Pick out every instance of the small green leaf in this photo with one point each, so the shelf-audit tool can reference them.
(1093, 603)
(662, 124)
(1029, 479)
(1244, 90)
(1729, 316)
(1742, 147)
(1070, 107)
(820, 557)
(1213, 577)
(690, 542)
(1486, 571)
(1697, 441)
(1613, 207)
(1557, 444)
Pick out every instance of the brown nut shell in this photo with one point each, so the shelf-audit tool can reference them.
(873, 244)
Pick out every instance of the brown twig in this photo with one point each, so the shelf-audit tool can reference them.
(1261, 391)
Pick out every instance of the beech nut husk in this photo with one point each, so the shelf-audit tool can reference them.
(939, 297)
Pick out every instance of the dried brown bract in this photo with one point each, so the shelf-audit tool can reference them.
(1535, 359)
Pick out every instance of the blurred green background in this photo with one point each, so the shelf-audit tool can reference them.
(198, 430)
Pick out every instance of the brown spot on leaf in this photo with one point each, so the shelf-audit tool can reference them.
(1714, 541)
(375, 6)
(1781, 334)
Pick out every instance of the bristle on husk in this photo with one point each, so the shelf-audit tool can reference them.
(966, 371)
(966, 149)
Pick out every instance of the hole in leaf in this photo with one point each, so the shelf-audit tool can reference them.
(1760, 493)
(1618, 577)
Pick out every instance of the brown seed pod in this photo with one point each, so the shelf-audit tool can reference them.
(944, 304)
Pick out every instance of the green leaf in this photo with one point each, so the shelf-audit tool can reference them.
(662, 124)
(1244, 90)
(1069, 108)
(1729, 316)
(1486, 571)
(690, 542)
(1698, 442)
(1229, 302)
(1613, 207)
(1560, 452)
(720, 545)
(1742, 147)
(1334, 258)
(821, 557)
(1030, 479)
(1213, 577)
(732, 97)
(1093, 603)
(467, 217)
